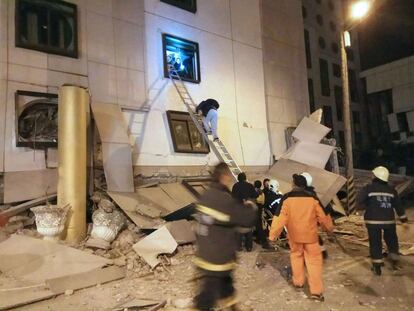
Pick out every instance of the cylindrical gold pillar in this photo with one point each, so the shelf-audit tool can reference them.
(73, 117)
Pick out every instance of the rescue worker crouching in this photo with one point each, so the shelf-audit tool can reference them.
(300, 214)
(380, 200)
(219, 215)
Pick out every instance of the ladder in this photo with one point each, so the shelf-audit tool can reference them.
(217, 146)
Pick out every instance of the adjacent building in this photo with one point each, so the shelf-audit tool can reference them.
(247, 54)
(323, 24)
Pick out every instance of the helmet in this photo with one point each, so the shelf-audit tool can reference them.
(308, 178)
(382, 173)
(274, 185)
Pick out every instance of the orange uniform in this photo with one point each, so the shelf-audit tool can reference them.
(300, 214)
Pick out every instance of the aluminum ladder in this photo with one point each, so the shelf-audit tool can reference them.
(217, 146)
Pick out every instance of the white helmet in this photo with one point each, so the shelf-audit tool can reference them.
(308, 178)
(382, 173)
(274, 185)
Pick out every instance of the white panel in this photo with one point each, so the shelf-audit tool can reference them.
(246, 32)
(310, 153)
(100, 39)
(310, 131)
(281, 110)
(277, 136)
(25, 74)
(393, 122)
(410, 120)
(130, 87)
(256, 149)
(102, 82)
(129, 45)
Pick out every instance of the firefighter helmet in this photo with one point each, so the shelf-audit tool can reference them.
(382, 173)
(308, 178)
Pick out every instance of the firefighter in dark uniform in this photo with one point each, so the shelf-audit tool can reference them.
(380, 200)
(219, 215)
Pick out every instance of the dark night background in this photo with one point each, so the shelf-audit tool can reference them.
(387, 34)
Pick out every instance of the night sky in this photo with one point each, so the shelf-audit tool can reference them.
(387, 34)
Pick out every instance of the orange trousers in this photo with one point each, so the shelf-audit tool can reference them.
(311, 255)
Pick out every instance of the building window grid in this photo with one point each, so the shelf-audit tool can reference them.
(307, 49)
(324, 77)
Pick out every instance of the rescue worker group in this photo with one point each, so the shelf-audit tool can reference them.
(231, 216)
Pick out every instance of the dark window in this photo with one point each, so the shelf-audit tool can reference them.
(188, 5)
(402, 122)
(341, 139)
(350, 54)
(324, 75)
(47, 26)
(353, 89)
(311, 95)
(335, 47)
(185, 136)
(304, 12)
(355, 117)
(319, 19)
(379, 107)
(322, 43)
(331, 5)
(327, 116)
(308, 51)
(37, 119)
(332, 25)
(338, 102)
(183, 55)
(358, 139)
(336, 70)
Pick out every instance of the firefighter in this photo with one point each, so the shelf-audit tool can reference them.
(243, 191)
(219, 215)
(300, 214)
(311, 189)
(261, 236)
(380, 200)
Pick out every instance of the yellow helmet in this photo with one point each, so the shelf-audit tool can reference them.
(382, 173)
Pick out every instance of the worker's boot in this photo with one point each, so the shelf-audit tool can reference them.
(319, 298)
(376, 268)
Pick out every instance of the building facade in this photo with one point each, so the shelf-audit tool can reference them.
(323, 24)
(390, 101)
(247, 54)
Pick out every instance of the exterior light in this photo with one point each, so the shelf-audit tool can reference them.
(360, 8)
(347, 38)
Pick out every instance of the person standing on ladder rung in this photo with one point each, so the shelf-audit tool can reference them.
(208, 108)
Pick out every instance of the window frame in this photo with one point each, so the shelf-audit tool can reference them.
(164, 57)
(42, 48)
(189, 8)
(325, 82)
(172, 116)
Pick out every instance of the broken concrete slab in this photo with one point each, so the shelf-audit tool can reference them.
(310, 153)
(18, 297)
(25, 206)
(38, 260)
(179, 193)
(310, 131)
(29, 185)
(110, 123)
(136, 202)
(182, 231)
(136, 304)
(159, 242)
(117, 162)
(85, 279)
(326, 184)
(160, 198)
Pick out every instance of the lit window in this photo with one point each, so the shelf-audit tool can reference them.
(185, 136)
(183, 55)
(188, 5)
(47, 26)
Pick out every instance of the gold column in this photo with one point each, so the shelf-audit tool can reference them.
(73, 119)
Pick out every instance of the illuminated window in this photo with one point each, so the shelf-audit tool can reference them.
(185, 136)
(188, 5)
(47, 26)
(183, 55)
